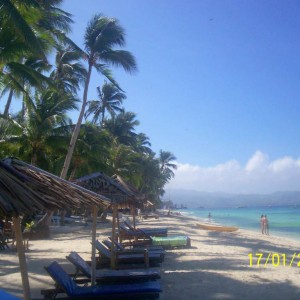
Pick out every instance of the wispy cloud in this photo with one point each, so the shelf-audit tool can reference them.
(258, 175)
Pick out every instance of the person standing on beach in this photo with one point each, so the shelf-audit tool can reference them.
(266, 225)
(262, 224)
(209, 217)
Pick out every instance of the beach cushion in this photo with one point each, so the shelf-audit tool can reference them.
(172, 241)
(7, 296)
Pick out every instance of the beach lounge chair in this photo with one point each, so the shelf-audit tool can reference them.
(150, 231)
(126, 233)
(110, 275)
(146, 258)
(140, 250)
(6, 296)
(148, 289)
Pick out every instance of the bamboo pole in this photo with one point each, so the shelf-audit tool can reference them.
(94, 230)
(132, 208)
(113, 262)
(118, 226)
(22, 257)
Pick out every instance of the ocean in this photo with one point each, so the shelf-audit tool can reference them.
(283, 221)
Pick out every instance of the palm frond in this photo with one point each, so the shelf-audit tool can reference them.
(120, 58)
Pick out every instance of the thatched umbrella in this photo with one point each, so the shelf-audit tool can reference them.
(121, 193)
(138, 199)
(25, 189)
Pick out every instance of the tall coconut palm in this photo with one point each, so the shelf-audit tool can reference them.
(110, 100)
(167, 166)
(68, 72)
(15, 21)
(42, 127)
(19, 77)
(101, 36)
(122, 128)
(142, 144)
(30, 28)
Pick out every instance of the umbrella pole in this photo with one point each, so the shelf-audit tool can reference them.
(118, 226)
(133, 215)
(94, 229)
(22, 257)
(113, 254)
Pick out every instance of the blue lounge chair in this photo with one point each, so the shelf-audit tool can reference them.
(133, 258)
(150, 231)
(6, 296)
(122, 250)
(148, 289)
(110, 275)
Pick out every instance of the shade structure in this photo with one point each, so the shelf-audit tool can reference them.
(27, 189)
(121, 193)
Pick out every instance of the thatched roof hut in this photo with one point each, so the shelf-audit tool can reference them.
(110, 188)
(27, 189)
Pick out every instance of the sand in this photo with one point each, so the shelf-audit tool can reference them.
(216, 267)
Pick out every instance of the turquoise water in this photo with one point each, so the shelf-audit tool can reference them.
(283, 221)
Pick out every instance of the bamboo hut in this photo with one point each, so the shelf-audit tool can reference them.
(25, 189)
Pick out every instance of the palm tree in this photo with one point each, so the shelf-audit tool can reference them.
(92, 151)
(142, 144)
(42, 130)
(19, 77)
(122, 128)
(110, 99)
(68, 72)
(15, 22)
(30, 28)
(101, 36)
(166, 165)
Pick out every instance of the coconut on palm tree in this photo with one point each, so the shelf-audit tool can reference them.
(102, 35)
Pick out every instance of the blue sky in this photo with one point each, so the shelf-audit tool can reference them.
(218, 83)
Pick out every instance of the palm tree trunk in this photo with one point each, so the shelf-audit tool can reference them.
(76, 131)
(103, 116)
(7, 106)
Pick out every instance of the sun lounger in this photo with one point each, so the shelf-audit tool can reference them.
(126, 233)
(150, 231)
(6, 296)
(119, 247)
(143, 258)
(110, 275)
(148, 289)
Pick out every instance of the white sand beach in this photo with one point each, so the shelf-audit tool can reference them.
(216, 267)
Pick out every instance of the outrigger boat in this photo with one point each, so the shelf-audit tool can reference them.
(217, 227)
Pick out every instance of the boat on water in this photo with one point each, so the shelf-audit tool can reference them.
(217, 227)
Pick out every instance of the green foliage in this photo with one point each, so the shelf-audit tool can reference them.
(40, 132)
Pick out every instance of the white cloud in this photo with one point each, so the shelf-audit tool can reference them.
(259, 175)
(259, 161)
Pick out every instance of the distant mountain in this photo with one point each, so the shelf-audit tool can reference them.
(194, 199)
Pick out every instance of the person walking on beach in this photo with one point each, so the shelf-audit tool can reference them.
(266, 225)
